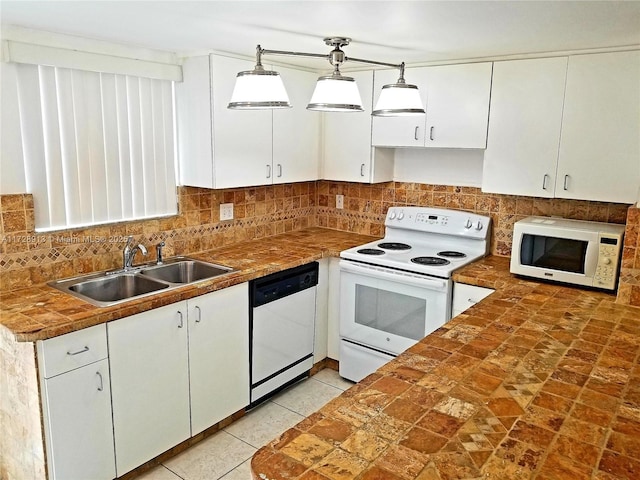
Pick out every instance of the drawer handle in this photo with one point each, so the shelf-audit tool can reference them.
(85, 349)
(471, 300)
(181, 320)
(430, 133)
(415, 133)
(101, 387)
(199, 314)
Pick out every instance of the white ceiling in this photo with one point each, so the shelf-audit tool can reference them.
(389, 31)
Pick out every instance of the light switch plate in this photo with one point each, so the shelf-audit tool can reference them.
(226, 211)
(339, 201)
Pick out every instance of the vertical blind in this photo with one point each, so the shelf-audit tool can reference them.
(98, 147)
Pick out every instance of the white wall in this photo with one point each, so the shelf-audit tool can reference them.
(439, 166)
(12, 178)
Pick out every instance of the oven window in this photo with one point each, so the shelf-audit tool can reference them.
(554, 253)
(391, 312)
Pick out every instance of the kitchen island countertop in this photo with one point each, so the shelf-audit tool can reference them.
(41, 312)
(536, 381)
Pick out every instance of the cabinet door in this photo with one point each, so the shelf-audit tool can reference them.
(600, 147)
(241, 139)
(218, 355)
(524, 127)
(78, 427)
(458, 105)
(465, 296)
(400, 131)
(149, 383)
(296, 131)
(347, 138)
(195, 134)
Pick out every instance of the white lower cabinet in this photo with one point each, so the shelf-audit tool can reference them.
(78, 424)
(148, 353)
(218, 355)
(76, 405)
(465, 296)
(177, 370)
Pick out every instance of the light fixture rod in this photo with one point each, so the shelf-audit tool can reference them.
(264, 51)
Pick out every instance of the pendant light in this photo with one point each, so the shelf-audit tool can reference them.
(336, 93)
(260, 88)
(399, 99)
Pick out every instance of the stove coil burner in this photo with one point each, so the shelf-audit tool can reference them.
(394, 246)
(371, 251)
(432, 261)
(451, 254)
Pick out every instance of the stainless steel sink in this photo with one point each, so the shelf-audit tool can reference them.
(185, 271)
(104, 289)
(118, 287)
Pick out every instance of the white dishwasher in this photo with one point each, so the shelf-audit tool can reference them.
(282, 321)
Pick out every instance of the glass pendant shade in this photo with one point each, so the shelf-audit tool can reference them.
(397, 100)
(257, 89)
(336, 93)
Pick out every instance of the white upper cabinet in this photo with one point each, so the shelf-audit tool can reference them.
(347, 152)
(456, 99)
(223, 148)
(296, 131)
(600, 147)
(566, 128)
(524, 127)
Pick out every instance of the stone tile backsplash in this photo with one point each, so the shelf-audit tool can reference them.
(30, 258)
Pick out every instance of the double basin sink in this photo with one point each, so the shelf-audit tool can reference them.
(110, 288)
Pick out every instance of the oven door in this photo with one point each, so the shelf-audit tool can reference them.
(390, 310)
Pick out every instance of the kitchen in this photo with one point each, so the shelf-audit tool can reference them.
(465, 179)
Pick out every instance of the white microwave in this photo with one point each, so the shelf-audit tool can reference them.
(568, 251)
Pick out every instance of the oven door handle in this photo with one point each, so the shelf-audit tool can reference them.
(400, 277)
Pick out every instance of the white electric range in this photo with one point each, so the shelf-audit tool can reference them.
(397, 290)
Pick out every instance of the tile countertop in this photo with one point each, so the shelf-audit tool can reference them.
(536, 381)
(41, 312)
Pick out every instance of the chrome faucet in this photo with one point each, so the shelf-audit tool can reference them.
(129, 253)
(159, 253)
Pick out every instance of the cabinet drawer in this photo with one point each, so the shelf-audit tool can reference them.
(73, 350)
(464, 296)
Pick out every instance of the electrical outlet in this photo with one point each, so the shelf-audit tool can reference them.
(340, 201)
(226, 211)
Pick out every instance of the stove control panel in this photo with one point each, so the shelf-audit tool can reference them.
(438, 220)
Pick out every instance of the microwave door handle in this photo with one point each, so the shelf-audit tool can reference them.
(414, 280)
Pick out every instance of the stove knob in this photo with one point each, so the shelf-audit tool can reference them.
(479, 226)
(401, 215)
(392, 215)
(468, 224)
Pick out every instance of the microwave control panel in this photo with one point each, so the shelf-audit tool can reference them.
(609, 249)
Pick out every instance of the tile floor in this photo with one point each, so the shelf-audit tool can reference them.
(226, 455)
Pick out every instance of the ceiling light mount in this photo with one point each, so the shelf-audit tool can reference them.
(260, 88)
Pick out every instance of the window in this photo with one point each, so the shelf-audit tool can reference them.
(97, 147)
